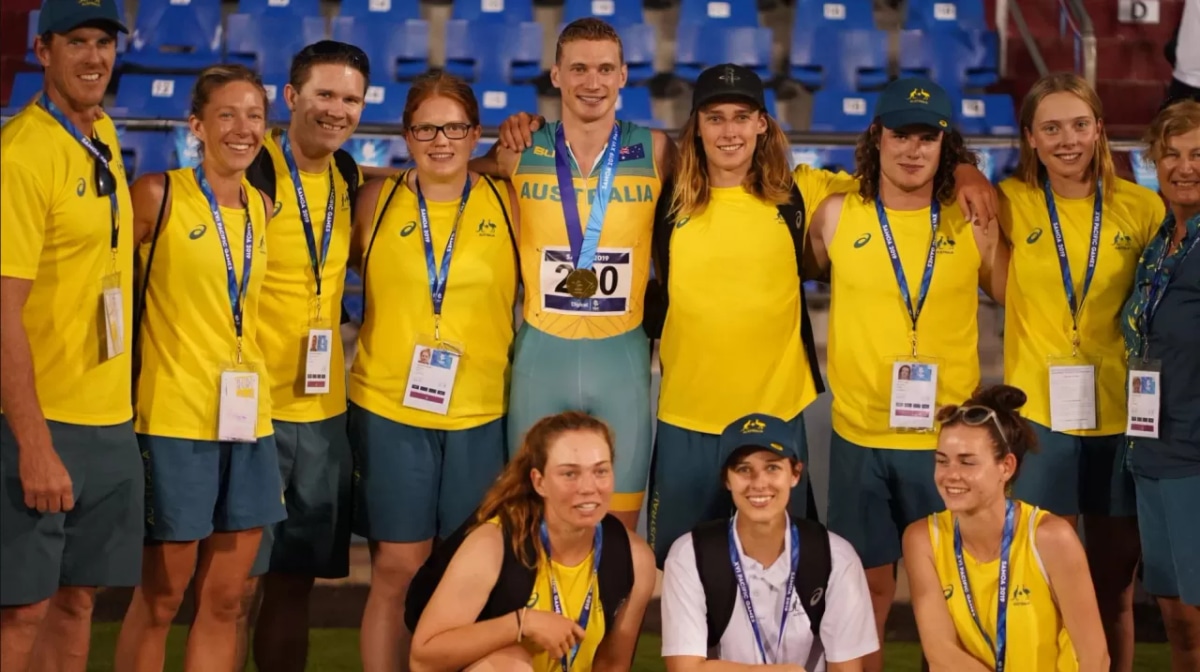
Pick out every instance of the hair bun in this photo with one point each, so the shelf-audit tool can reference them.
(1002, 397)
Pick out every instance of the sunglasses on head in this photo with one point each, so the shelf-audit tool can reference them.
(973, 416)
(106, 182)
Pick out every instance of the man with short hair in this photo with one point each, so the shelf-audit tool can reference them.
(71, 477)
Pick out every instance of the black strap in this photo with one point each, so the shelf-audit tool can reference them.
(812, 577)
(261, 174)
(348, 167)
(374, 232)
(792, 213)
(139, 308)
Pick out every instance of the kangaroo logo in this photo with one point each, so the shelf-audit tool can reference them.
(1033, 236)
(486, 228)
(945, 245)
(408, 228)
(862, 240)
(195, 233)
(1121, 241)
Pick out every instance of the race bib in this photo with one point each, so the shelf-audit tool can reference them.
(431, 379)
(316, 362)
(614, 275)
(238, 414)
(914, 395)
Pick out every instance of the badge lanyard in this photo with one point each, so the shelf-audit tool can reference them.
(91, 148)
(1064, 264)
(1158, 285)
(1000, 646)
(237, 293)
(584, 244)
(317, 262)
(438, 280)
(585, 613)
(744, 589)
(914, 312)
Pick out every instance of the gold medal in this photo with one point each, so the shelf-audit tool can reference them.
(582, 283)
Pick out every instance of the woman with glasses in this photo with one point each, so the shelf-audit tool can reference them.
(202, 401)
(429, 384)
(998, 583)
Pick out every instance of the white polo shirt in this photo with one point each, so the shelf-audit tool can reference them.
(847, 629)
(1187, 50)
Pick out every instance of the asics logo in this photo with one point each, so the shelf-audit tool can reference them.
(1033, 236)
(408, 228)
(195, 233)
(862, 240)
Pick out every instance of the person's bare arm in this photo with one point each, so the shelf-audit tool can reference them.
(364, 222)
(615, 653)
(499, 162)
(147, 195)
(975, 193)
(376, 172)
(939, 639)
(993, 267)
(820, 236)
(1070, 580)
(855, 665)
(665, 155)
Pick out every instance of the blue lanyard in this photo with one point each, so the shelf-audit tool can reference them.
(91, 148)
(1158, 285)
(438, 280)
(914, 312)
(237, 292)
(585, 613)
(318, 262)
(744, 589)
(1000, 647)
(583, 244)
(1093, 250)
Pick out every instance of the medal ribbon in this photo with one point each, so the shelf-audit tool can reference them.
(94, 151)
(744, 589)
(1000, 646)
(585, 613)
(438, 280)
(1093, 251)
(317, 262)
(914, 312)
(583, 244)
(237, 292)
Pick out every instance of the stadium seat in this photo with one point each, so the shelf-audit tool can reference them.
(987, 114)
(268, 42)
(634, 104)
(957, 60)
(385, 104)
(619, 13)
(372, 150)
(498, 100)
(31, 57)
(26, 85)
(147, 152)
(279, 7)
(700, 46)
(937, 15)
(481, 51)
(826, 157)
(638, 41)
(177, 35)
(390, 10)
(848, 60)
(493, 11)
(144, 96)
(842, 112)
(279, 112)
(396, 50)
(724, 12)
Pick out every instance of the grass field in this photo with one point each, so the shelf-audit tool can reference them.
(336, 650)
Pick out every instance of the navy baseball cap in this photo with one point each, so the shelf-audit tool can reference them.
(759, 431)
(914, 101)
(727, 81)
(63, 16)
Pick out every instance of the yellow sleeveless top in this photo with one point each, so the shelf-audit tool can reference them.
(623, 254)
(870, 327)
(477, 313)
(187, 335)
(1037, 638)
(1037, 319)
(288, 304)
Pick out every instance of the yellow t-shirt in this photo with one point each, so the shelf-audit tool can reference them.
(288, 307)
(477, 312)
(1037, 319)
(870, 327)
(185, 344)
(735, 308)
(1037, 638)
(57, 231)
(623, 253)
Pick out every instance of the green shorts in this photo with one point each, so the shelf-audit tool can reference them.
(97, 543)
(1072, 475)
(1170, 536)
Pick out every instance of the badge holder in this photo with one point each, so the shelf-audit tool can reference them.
(432, 374)
(238, 412)
(913, 401)
(114, 315)
(318, 353)
(1145, 397)
(1072, 390)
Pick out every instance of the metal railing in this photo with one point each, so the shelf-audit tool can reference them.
(1074, 16)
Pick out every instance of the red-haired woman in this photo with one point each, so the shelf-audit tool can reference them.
(543, 578)
(428, 387)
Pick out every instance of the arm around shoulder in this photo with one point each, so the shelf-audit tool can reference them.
(499, 162)
(147, 194)
(820, 237)
(1070, 580)
(665, 154)
(615, 653)
(364, 220)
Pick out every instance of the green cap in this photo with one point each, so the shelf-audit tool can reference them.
(63, 16)
(760, 431)
(914, 101)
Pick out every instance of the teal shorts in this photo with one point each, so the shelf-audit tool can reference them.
(874, 493)
(316, 467)
(608, 378)
(99, 541)
(1166, 509)
(1072, 475)
(687, 483)
(412, 484)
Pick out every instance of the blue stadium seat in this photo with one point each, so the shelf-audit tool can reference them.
(481, 51)
(26, 85)
(31, 57)
(849, 60)
(813, 16)
(390, 10)
(493, 11)
(498, 100)
(936, 15)
(385, 104)
(772, 106)
(616, 12)
(143, 96)
(147, 152)
(267, 43)
(396, 50)
(987, 114)
(699, 46)
(633, 104)
(176, 35)
(827, 157)
(842, 112)
(372, 150)
(638, 41)
(278, 7)
(279, 112)
(957, 60)
(724, 12)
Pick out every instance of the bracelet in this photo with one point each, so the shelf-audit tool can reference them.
(521, 623)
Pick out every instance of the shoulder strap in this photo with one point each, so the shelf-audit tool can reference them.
(427, 578)
(374, 232)
(812, 576)
(261, 174)
(792, 213)
(348, 167)
(139, 308)
(616, 569)
(507, 222)
(710, 542)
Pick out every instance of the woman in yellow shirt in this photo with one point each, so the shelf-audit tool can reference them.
(997, 583)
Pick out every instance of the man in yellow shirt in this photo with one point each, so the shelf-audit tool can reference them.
(71, 478)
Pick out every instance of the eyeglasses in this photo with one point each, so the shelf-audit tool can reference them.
(974, 416)
(106, 182)
(452, 131)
